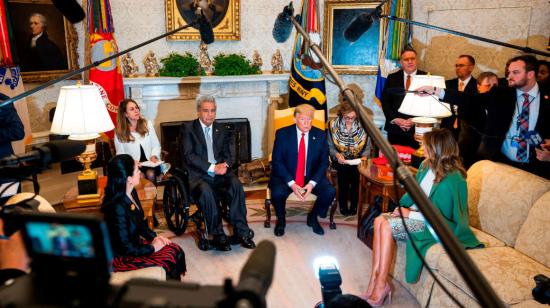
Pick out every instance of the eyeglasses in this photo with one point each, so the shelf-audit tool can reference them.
(349, 118)
(462, 65)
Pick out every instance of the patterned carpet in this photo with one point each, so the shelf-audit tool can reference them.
(294, 283)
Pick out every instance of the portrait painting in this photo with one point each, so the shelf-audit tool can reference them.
(224, 15)
(45, 43)
(359, 57)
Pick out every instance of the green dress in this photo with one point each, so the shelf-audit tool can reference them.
(450, 197)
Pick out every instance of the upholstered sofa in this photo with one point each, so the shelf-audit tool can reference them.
(510, 213)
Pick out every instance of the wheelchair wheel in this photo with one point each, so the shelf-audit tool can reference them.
(176, 205)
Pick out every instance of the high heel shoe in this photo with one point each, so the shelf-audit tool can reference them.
(380, 302)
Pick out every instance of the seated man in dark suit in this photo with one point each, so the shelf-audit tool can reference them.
(207, 156)
(298, 166)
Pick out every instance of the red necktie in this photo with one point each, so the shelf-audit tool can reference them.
(408, 82)
(301, 165)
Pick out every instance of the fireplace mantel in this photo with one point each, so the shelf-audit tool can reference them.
(164, 99)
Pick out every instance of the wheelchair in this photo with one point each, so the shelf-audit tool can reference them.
(179, 208)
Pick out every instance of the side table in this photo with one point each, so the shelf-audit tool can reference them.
(146, 193)
(375, 181)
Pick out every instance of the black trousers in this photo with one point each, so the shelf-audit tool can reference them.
(208, 191)
(323, 190)
(348, 186)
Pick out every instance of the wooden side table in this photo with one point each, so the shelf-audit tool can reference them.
(146, 193)
(375, 181)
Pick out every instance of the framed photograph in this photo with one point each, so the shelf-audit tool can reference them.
(224, 15)
(45, 42)
(359, 57)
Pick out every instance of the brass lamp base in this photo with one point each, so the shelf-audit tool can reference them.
(88, 189)
(422, 125)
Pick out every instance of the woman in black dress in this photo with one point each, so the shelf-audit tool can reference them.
(134, 245)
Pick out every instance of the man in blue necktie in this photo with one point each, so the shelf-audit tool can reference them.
(207, 155)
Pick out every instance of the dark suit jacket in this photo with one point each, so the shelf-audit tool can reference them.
(392, 101)
(474, 116)
(500, 104)
(11, 129)
(127, 226)
(194, 153)
(285, 156)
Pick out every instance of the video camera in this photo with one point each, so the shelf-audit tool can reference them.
(71, 266)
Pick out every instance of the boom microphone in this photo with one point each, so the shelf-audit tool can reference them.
(283, 26)
(53, 151)
(362, 23)
(205, 27)
(70, 9)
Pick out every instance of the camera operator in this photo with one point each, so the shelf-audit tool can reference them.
(14, 261)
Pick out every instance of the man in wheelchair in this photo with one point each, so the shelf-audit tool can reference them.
(207, 156)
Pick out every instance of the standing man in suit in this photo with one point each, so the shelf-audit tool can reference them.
(298, 166)
(464, 82)
(514, 113)
(207, 156)
(399, 126)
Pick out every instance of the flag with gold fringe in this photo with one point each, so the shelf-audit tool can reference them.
(307, 83)
(11, 83)
(396, 35)
(107, 76)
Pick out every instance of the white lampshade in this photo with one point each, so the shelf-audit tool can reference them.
(425, 106)
(81, 113)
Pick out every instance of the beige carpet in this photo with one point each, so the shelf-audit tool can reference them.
(294, 282)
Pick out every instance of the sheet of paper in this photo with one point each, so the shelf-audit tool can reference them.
(151, 164)
(11, 191)
(353, 162)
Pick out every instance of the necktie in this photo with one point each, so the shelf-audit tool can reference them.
(209, 148)
(408, 82)
(461, 86)
(301, 165)
(523, 128)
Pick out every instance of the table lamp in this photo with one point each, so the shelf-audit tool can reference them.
(428, 110)
(81, 114)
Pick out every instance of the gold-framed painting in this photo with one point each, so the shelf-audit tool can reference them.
(224, 15)
(361, 56)
(45, 42)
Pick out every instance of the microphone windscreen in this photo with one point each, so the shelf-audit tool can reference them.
(205, 30)
(282, 28)
(357, 27)
(257, 273)
(62, 150)
(70, 9)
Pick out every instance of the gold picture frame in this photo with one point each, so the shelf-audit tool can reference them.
(360, 57)
(59, 33)
(227, 29)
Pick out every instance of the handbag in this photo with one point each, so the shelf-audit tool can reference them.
(367, 222)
